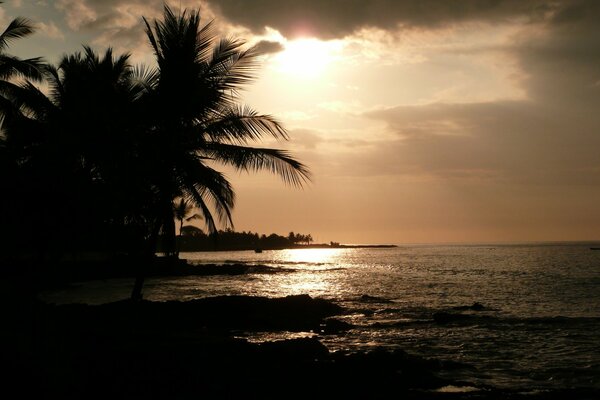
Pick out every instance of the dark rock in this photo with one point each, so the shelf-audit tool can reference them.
(473, 307)
(444, 317)
(332, 325)
(405, 370)
(365, 298)
(297, 349)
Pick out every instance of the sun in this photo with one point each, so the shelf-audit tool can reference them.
(304, 58)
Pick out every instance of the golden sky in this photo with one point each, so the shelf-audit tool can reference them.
(421, 120)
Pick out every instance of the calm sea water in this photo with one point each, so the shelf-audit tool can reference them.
(539, 329)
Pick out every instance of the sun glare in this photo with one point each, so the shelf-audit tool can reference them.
(304, 58)
(311, 256)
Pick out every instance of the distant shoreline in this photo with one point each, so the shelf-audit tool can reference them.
(295, 247)
(348, 246)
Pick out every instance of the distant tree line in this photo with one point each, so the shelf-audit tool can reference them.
(194, 239)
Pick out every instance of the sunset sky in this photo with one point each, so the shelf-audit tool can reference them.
(421, 120)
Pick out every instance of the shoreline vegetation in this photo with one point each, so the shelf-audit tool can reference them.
(192, 238)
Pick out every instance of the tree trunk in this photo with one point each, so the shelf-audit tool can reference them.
(178, 239)
(144, 262)
(136, 293)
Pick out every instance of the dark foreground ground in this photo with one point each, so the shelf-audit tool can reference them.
(196, 350)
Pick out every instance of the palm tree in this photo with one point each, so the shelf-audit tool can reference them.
(197, 121)
(182, 211)
(112, 146)
(11, 66)
(12, 206)
(198, 116)
(79, 144)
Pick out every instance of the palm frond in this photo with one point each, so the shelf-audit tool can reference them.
(204, 42)
(23, 102)
(56, 89)
(211, 185)
(193, 217)
(197, 198)
(142, 81)
(31, 68)
(241, 124)
(18, 28)
(279, 162)
(32, 102)
(8, 89)
(231, 68)
(151, 38)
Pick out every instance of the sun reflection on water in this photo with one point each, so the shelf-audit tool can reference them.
(308, 277)
(311, 256)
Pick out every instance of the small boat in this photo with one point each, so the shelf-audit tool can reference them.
(258, 250)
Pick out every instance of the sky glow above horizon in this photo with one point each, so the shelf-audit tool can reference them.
(422, 121)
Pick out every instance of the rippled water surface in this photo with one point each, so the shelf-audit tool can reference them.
(538, 329)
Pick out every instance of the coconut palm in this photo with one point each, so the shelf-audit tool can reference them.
(182, 211)
(198, 119)
(79, 142)
(11, 66)
(110, 145)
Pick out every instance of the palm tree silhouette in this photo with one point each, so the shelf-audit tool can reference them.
(79, 143)
(195, 119)
(198, 119)
(13, 69)
(111, 146)
(11, 66)
(182, 211)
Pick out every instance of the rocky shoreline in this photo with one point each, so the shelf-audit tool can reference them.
(181, 350)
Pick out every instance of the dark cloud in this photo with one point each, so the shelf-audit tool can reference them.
(119, 23)
(518, 142)
(338, 18)
(550, 139)
(269, 47)
(563, 65)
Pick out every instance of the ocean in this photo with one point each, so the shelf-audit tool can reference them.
(523, 317)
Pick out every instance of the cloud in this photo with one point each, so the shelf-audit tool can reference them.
(305, 138)
(518, 142)
(50, 30)
(562, 63)
(549, 139)
(339, 18)
(77, 13)
(118, 23)
(339, 106)
(269, 47)
(295, 115)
